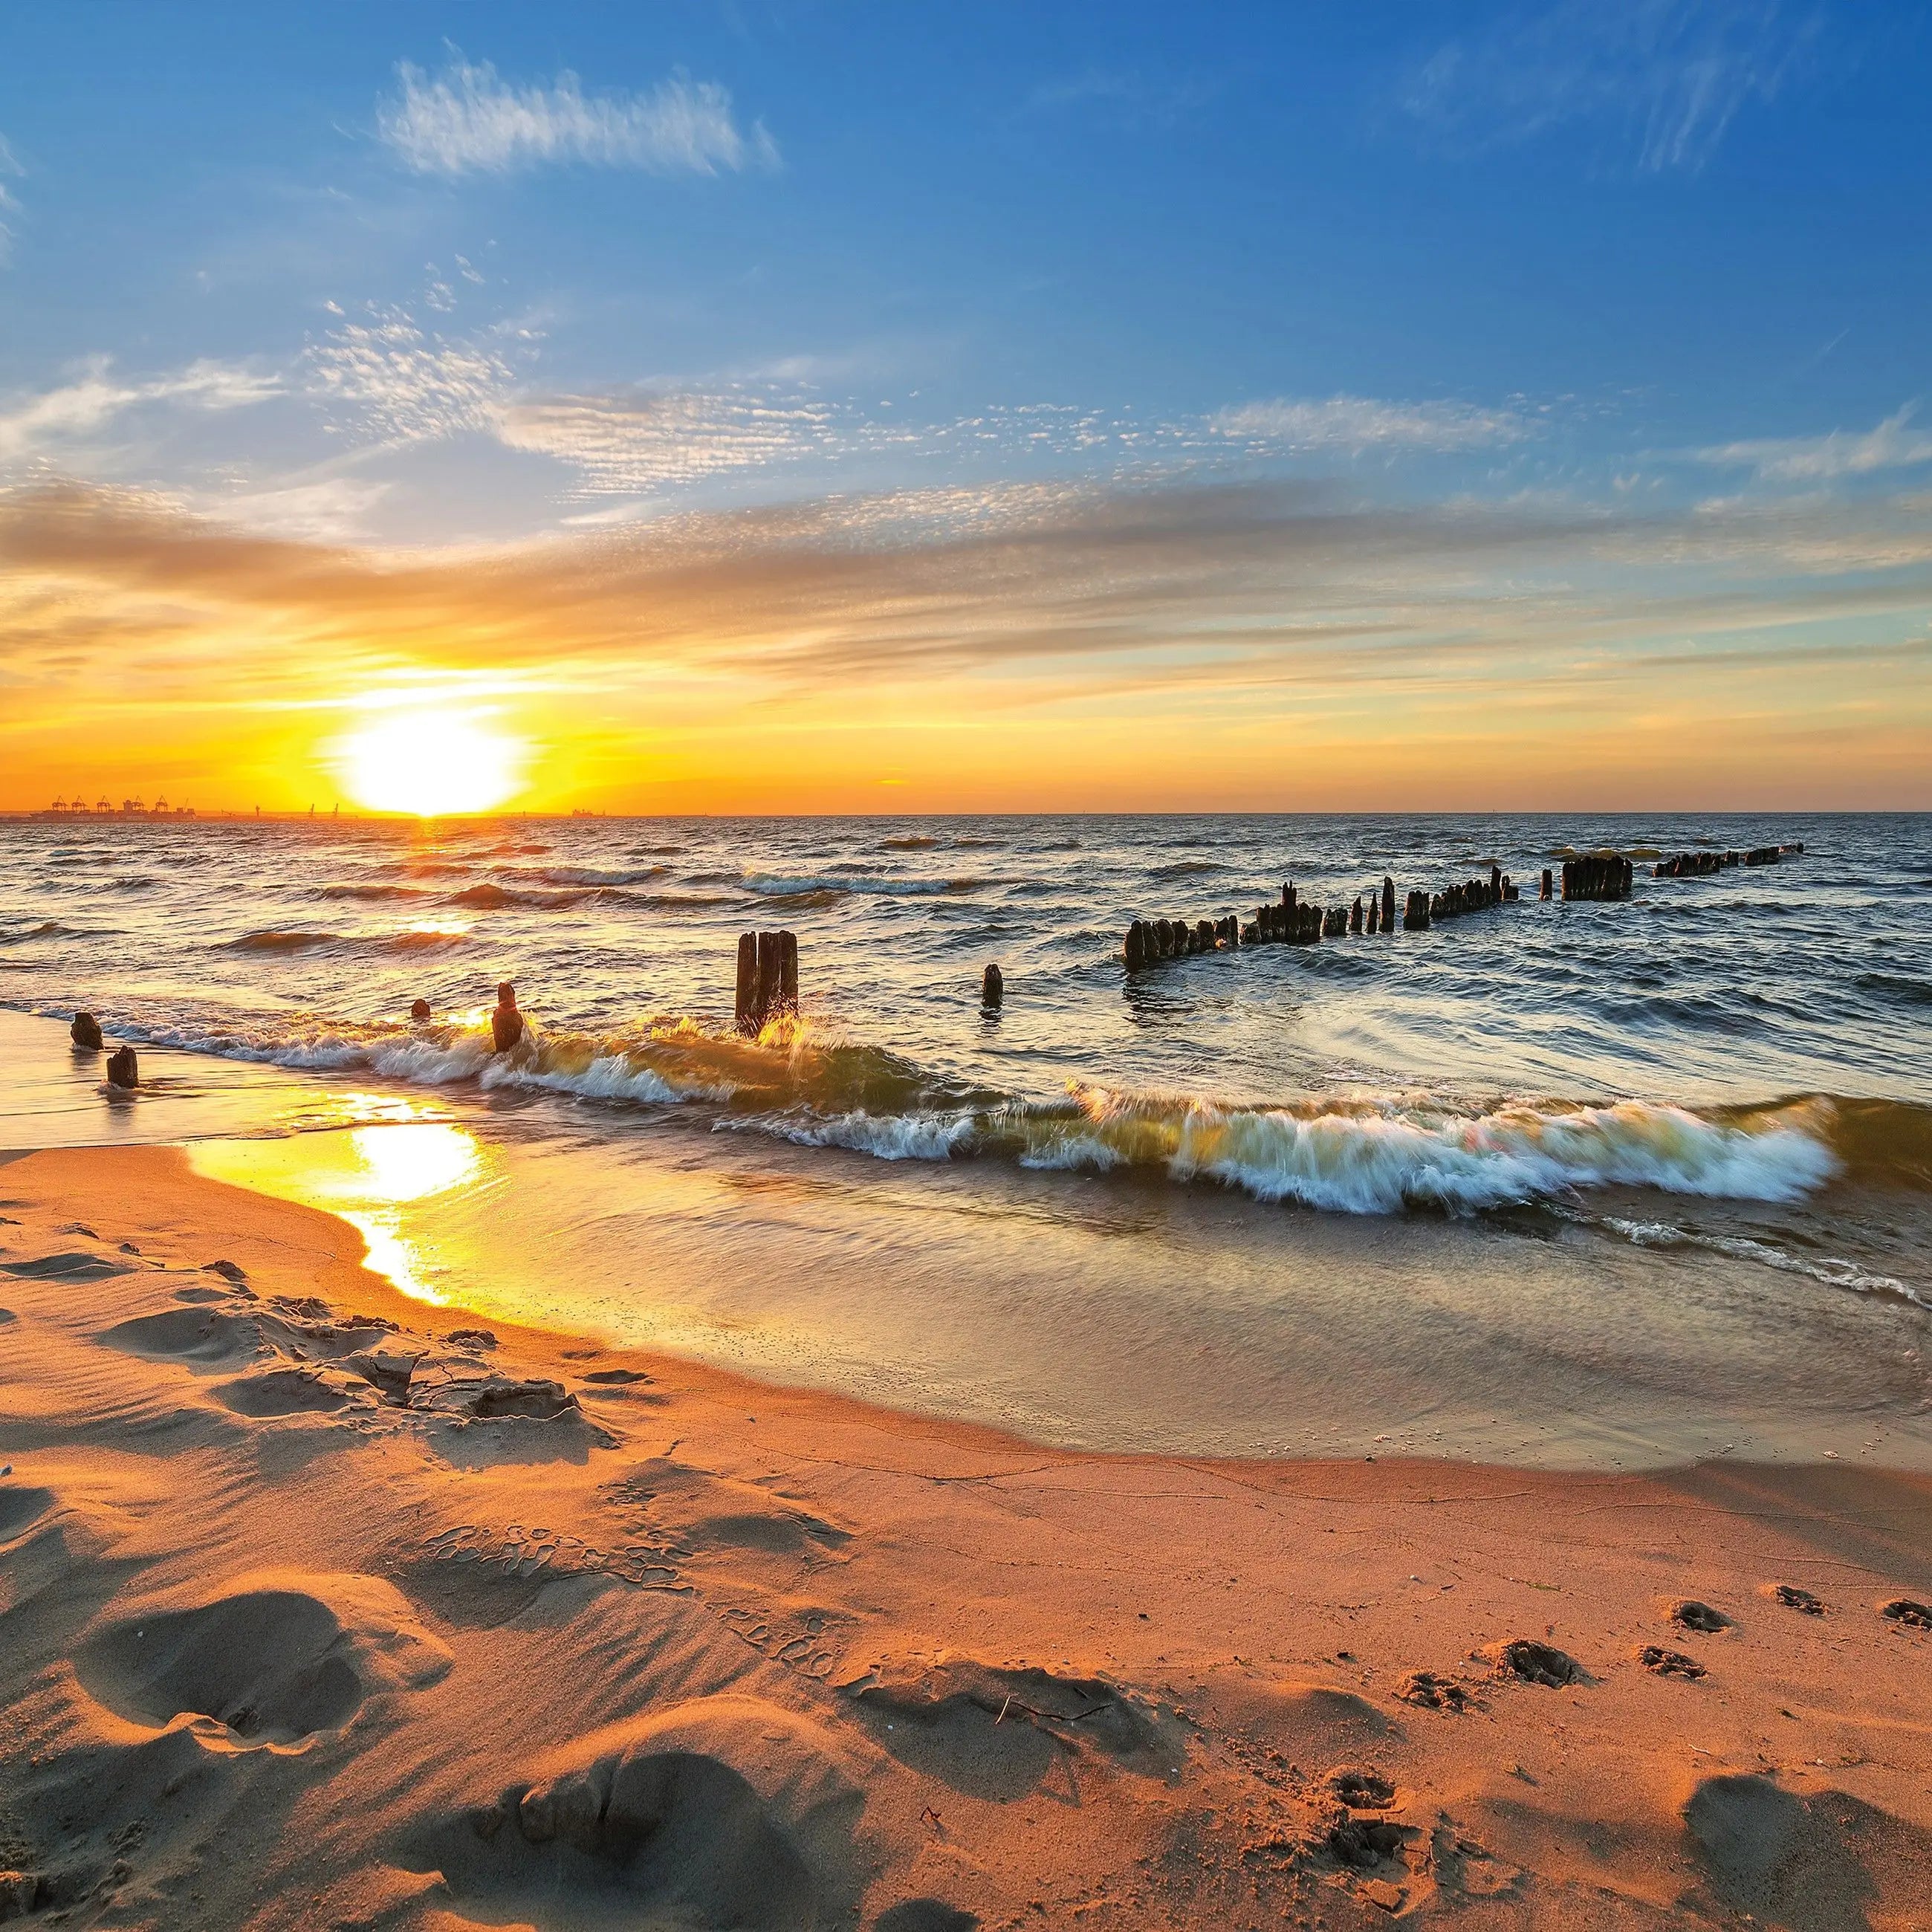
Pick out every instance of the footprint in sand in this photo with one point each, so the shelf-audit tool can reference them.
(721, 1811)
(1359, 1789)
(267, 1663)
(1689, 1614)
(1906, 1611)
(1530, 1662)
(1793, 1598)
(1662, 1662)
(1432, 1692)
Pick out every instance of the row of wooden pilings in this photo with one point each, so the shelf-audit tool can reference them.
(1596, 875)
(1294, 921)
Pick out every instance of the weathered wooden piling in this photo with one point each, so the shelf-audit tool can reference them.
(1415, 913)
(1355, 915)
(506, 1023)
(1375, 911)
(992, 987)
(1601, 875)
(1549, 884)
(123, 1070)
(86, 1032)
(1334, 921)
(1388, 904)
(1763, 855)
(419, 1010)
(767, 979)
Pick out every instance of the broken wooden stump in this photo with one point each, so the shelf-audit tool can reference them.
(419, 1010)
(1388, 904)
(506, 1023)
(767, 985)
(86, 1032)
(1355, 915)
(1549, 884)
(1415, 913)
(992, 987)
(1334, 921)
(123, 1069)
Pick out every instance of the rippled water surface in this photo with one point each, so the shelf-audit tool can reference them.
(1723, 1080)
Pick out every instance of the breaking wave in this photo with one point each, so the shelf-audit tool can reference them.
(774, 886)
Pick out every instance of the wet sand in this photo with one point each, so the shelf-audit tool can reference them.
(319, 1607)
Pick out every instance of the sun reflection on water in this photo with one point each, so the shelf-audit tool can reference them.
(367, 1176)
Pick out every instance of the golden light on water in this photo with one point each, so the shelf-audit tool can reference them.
(430, 762)
(368, 1177)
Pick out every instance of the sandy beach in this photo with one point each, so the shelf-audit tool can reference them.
(321, 1608)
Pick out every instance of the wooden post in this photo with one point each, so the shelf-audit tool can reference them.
(788, 973)
(1388, 904)
(747, 1006)
(1548, 879)
(1375, 910)
(1415, 913)
(1355, 915)
(506, 1023)
(768, 977)
(419, 1010)
(86, 1032)
(123, 1069)
(992, 987)
(1132, 951)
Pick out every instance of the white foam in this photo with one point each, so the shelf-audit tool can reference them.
(1834, 1272)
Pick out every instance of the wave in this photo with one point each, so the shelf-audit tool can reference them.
(420, 939)
(1833, 1272)
(772, 886)
(1373, 1155)
(283, 942)
(487, 897)
(585, 875)
(1187, 868)
(48, 928)
(358, 891)
(917, 844)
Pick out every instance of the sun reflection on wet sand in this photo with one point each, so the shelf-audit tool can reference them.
(366, 1176)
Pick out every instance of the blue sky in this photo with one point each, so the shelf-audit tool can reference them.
(434, 282)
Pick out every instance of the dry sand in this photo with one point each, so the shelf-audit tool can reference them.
(309, 1620)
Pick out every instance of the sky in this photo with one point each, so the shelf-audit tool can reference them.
(849, 407)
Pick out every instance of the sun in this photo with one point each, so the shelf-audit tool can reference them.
(431, 763)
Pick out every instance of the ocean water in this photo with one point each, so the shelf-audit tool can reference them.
(1565, 1181)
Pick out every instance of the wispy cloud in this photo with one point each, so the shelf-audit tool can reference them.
(1360, 424)
(1669, 77)
(1235, 584)
(410, 385)
(1893, 445)
(33, 424)
(468, 119)
(641, 439)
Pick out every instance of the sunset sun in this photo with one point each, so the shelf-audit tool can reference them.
(431, 763)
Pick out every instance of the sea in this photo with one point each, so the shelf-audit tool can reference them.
(1599, 1184)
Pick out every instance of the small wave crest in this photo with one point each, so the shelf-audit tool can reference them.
(353, 890)
(48, 928)
(810, 885)
(283, 942)
(1833, 1272)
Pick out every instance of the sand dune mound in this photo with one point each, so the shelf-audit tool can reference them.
(996, 1733)
(1827, 1860)
(274, 1660)
(706, 1511)
(725, 1811)
(20, 1508)
(69, 1267)
(1312, 1720)
(207, 1336)
(282, 1392)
